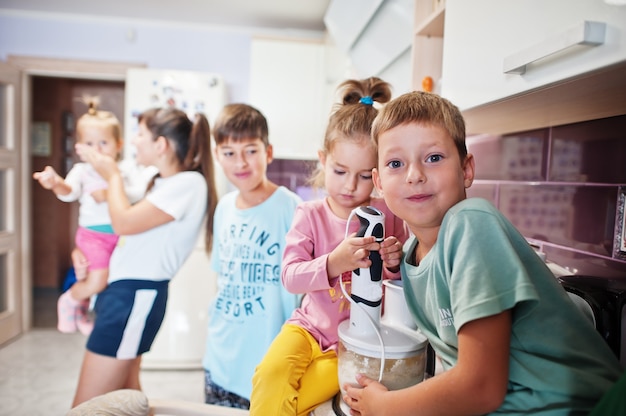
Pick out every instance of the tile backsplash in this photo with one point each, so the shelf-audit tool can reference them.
(560, 186)
(294, 174)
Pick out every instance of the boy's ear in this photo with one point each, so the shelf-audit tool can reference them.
(376, 180)
(469, 165)
(270, 153)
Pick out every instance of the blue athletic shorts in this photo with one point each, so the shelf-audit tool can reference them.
(129, 314)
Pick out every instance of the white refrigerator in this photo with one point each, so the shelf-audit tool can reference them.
(180, 341)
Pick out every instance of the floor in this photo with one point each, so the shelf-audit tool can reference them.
(39, 369)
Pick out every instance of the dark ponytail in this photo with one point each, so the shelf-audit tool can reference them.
(192, 144)
(199, 158)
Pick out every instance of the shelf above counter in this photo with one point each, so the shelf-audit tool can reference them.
(428, 36)
(433, 25)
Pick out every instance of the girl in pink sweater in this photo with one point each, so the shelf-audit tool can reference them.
(299, 370)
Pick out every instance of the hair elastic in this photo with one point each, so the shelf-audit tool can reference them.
(92, 109)
(367, 100)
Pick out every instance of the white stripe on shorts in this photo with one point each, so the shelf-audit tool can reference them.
(142, 305)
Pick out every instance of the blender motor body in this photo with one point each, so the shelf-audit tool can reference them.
(365, 340)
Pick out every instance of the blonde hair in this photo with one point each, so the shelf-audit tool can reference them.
(99, 119)
(352, 117)
(423, 108)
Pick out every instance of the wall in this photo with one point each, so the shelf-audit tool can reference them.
(158, 45)
(559, 186)
(295, 175)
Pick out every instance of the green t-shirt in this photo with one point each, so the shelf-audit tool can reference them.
(480, 266)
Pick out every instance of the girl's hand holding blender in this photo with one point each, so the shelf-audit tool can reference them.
(353, 253)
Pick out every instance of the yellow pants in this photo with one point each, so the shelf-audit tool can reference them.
(294, 377)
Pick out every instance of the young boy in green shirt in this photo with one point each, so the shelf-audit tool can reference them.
(510, 339)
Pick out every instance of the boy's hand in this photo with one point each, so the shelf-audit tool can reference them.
(391, 253)
(352, 253)
(48, 178)
(367, 399)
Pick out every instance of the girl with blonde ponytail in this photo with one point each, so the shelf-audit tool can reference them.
(299, 370)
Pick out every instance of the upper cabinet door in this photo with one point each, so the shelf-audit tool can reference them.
(288, 85)
(485, 38)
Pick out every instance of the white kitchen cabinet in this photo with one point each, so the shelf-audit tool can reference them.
(288, 85)
(386, 37)
(181, 339)
(347, 19)
(398, 74)
(377, 37)
(481, 34)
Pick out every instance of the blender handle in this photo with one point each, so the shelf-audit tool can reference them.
(377, 230)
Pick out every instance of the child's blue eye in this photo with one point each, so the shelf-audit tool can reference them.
(434, 158)
(394, 164)
(339, 172)
(366, 177)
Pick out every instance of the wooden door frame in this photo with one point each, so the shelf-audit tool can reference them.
(11, 233)
(58, 68)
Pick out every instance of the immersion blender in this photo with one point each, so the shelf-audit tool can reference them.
(367, 345)
(367, 292)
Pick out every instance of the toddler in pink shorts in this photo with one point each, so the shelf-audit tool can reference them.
(95, 238)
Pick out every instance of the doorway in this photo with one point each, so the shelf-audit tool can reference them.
(19, 271)
(55, 105)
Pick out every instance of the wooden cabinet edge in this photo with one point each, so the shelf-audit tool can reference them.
(433, 25)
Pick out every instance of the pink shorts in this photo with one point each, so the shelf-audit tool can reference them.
(96, 246)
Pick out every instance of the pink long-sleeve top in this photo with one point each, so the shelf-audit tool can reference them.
(314, 233)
